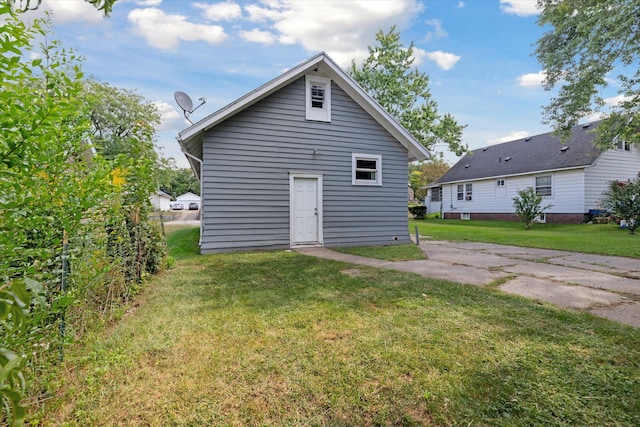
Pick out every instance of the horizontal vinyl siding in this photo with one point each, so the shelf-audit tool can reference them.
(567, 194)
(612, 165)
(246, 175)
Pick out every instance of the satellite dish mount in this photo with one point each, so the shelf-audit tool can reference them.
(185, 102)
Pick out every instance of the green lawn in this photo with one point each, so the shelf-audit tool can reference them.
(278, 338)
(606, 239)
(387, 253)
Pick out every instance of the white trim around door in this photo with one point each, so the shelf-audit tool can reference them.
(305, 209)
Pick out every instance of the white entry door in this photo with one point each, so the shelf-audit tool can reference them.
(306, 210)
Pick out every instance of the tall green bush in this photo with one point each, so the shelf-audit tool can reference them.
(623, 199)
(528, 206)
(55, 194)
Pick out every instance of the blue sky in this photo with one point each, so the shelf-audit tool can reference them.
(478, 53)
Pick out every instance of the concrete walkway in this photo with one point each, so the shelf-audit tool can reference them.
(605, 286)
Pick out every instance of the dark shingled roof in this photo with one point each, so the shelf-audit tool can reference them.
(531, 154)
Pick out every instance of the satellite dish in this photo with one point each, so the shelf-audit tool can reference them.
(185, 102)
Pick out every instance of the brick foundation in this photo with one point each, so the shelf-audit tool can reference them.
(556, 218)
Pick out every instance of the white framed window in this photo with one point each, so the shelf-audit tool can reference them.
(542, 218)
(465, 191)
(366, 169)
(543, 185)
(436, 194)
(318, 98)
(465, 215)
(623, 145)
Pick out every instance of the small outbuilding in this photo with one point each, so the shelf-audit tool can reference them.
(308, 159)
(160, 201)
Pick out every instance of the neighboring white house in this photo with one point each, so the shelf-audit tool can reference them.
(572, 176)
(187, 198)
(160, 201)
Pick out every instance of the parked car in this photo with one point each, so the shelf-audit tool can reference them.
(177, 206)
(193, 206)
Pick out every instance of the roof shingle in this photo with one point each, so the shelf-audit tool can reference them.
(527, 155)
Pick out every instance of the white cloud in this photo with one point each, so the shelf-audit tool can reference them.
(460, 5)
(147, 3)
(258, 36)
(165, 31)
(443, 60)
(616, 100)
(227, 11)
(519, 134)
(67, 11)
(532, 79)
(437, 32)
(341, 28)
(519, 7)
(169, 116)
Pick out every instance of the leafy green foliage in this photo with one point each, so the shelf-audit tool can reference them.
(177, 181)
(55, 193)
(387, 76)
(623, 200)
(589, 41)
(528, 206)
(424, 173)
(418, 211)
(122, 121)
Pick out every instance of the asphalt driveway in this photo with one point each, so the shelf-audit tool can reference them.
(605, 286)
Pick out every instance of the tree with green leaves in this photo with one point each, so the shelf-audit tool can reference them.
(123, 121)
(623, 199)
(424, 173)
(176, 181)
(106, 6)
(589, 44)
(388, 75)
(528, 206)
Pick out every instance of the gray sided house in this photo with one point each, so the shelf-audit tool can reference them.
(572, 176)
(308, 159)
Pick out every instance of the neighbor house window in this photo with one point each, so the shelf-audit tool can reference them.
(318, 98)
(436, 194)
(624, 146)
(366, 169)
(500, 183)
(465, 191)
(543, 185)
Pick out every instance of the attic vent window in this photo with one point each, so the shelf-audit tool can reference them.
(318, 98)
(506, 159)
(563, 149)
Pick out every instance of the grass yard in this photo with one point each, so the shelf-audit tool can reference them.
(606, 239)
(278, 338)
(387, 253)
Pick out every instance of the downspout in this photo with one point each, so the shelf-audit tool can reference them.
(191, 156)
